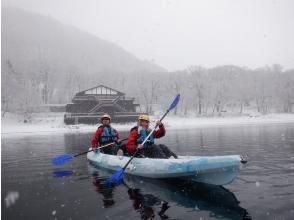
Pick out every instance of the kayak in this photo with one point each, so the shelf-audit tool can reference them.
(216, 170)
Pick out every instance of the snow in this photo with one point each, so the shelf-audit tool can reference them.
(177, 122)
(11, 198)
(48, 123)
(45, 124)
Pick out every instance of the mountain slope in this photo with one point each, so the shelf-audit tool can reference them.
(31, 41)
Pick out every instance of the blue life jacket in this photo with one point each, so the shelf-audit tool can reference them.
(142, 136)
(108, 135)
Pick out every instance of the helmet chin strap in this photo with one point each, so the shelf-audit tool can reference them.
(144, 127)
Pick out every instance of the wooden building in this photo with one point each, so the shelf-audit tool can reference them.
(87, 106)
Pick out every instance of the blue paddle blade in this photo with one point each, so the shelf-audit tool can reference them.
(62, 159)
(175, 102)
(116, 178)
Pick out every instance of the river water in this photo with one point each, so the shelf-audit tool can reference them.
(33, 189)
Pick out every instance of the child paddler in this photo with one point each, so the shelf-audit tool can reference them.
(106, 134)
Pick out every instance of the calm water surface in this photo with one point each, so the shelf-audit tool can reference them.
(33, 189)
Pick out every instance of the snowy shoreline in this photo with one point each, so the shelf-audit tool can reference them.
(11, 128)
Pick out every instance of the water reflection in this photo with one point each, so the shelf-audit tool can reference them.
(154, 197)
(143, 203)
(62, 173)
(105, 190)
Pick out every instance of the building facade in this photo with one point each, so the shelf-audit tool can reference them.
(87, 106)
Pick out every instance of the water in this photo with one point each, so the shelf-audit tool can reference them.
(33, 189)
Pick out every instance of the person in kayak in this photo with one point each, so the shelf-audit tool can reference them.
(106, 134)
(138, 135)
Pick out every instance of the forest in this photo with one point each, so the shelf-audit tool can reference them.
(214, 91)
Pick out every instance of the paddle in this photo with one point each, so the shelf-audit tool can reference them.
(62, 159)
(118, 176)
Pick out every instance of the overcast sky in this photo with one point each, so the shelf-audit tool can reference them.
(176, 34)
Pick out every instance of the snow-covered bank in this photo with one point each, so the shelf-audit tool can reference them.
(43, 124)
(13, 126)
(178, 122)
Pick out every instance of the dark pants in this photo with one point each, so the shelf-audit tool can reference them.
(109, 150)
(123, 148)
(158, 151)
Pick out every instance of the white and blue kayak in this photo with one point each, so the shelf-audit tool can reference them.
(217, 170)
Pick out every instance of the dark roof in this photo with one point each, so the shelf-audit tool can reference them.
(102, 90)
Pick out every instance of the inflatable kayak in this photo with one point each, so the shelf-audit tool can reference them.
(217, 170)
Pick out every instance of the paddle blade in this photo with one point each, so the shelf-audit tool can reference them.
(116, 178)
(175, 102)
(62, 159)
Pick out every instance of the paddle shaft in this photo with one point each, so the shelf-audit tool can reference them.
(150, 133)
(106, 145)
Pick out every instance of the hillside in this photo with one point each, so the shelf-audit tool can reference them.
(50, 61)
(30, 40)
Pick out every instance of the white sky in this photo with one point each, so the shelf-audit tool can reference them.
(176, 34)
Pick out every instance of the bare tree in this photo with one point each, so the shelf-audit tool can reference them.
(198, 83)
